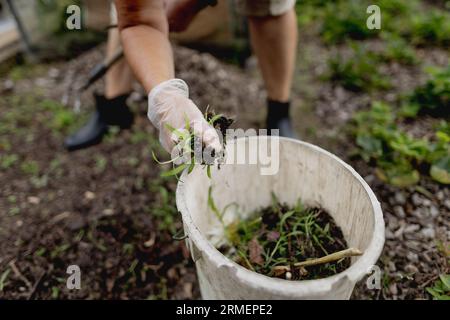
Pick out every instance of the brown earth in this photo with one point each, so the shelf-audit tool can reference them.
(107, 210)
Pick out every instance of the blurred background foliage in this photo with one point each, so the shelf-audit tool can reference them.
(57, 42)
(406, 26)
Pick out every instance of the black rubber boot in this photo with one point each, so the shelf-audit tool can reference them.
(109, 112)
(278, 118)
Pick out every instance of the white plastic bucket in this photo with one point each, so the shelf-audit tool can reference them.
(308, 172)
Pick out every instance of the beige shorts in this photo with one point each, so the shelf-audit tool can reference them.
(262, 8)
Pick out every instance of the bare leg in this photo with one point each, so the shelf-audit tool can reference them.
(111, 108)
(119, 79)
(274, 41)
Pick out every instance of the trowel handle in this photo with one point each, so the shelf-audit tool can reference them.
(100, 69)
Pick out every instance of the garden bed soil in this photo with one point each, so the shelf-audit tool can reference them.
(107, 210)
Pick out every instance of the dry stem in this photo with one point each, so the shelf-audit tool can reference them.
(350, 252)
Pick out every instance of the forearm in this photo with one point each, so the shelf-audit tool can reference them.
(144, 32)
(149, 54)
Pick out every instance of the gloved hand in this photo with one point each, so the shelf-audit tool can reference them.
(169, 104)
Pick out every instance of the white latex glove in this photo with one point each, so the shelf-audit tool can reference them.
(169, 103)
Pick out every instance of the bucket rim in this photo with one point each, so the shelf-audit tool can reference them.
(354, 273)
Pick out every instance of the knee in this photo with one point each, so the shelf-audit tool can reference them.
(148, 13)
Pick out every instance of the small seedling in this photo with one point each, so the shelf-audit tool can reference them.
(398, 49)
(441, 288)
(430, 28)
(3, 278)
(360, 72)
(8, 160)
(30, 167)
(345, 19)
(100, 163)
(434, 96)
(164, 208)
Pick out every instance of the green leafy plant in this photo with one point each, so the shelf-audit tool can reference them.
(30, 167)
(8, 160)
(415, 22)
(409, 19)
(54, 13)
(430, 28)
(441, 288)
(309, 11)
(434, 96)
(398, 50)
(63, 119)
(359, 72)
(399, 158)
(164, 208)
(57, 42)
(439, 155)
(397, 7)
(345, 20)
(100, 163)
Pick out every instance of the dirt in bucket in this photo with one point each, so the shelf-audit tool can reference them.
(293, 243)
(221, 123)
